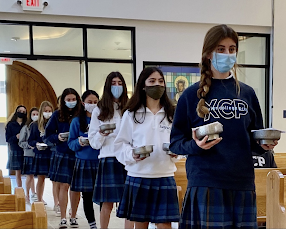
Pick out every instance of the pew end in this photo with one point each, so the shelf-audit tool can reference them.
(13, 202)
(36, 218)
(181, 180)
(5, 184)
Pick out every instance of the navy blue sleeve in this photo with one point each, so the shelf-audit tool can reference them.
(34, 135)
(73, 142)
(181, 139)
(51, 130)
(10, 134)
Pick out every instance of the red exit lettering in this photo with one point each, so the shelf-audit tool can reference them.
(5, 59)
(32, 3)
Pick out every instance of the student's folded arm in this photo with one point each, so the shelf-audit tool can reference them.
(73, 141)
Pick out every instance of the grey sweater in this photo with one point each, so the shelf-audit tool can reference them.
(23, 141)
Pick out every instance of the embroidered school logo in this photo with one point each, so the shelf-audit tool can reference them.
(165, 127)
(226, 108)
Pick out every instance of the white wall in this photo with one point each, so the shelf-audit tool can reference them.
(279, 78)
(242, 12)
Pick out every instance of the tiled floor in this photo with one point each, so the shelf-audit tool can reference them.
(54, 221)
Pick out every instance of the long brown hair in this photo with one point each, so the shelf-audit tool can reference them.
(106, 102)
(212, 39)
(29, 118)
(138, 99)
(65, 115)
(42, 121)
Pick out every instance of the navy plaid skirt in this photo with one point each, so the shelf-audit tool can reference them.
(63, 167)
(52, 165)
(28, 165)
(84, 175)
(41, 164)
(110, 179)
(214, 208)
(16, 159)
(150, 200)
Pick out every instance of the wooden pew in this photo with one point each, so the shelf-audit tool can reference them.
(280, 159)
(275, 211)
(5, 184)
(181, 180)
(13, 202)
(36, 218)
(260, 185)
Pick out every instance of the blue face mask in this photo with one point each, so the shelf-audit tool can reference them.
(116, 91)
(71, 104)
(223, 62)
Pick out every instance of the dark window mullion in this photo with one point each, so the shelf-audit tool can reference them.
(85, 55)
(31, 40)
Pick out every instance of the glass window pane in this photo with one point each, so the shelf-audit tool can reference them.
(97, 73)
(251, 50)
(60, 74)
(59, 41)
(14, 39)
(112, 44)
(255, 77)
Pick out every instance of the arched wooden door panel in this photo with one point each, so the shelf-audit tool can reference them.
(25, 85)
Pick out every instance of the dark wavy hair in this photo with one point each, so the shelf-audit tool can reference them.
(66, 115)
(29, 119)
(82, 115)
(139, 97)
(14, 117)
(106, 102)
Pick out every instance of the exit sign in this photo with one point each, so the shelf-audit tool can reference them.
(6, 60)
(33, 5)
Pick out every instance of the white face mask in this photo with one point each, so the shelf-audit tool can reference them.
(89, 107)
(47, 115)
(35, 118)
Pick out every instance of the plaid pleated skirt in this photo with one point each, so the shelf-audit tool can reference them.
(152, 200)
(41, 163)
(110, 179)
(52, 165)
(27, 165)
(63, 167)
(16, 159)
(212, 208)
(84, 175)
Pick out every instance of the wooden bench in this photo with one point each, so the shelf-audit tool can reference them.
(280, 159)
(5, 184)
(13, 202)
(181, 180)
(36, 218)
(275, 211)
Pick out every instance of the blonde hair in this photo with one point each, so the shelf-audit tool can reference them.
(212, 39)
(42, 121)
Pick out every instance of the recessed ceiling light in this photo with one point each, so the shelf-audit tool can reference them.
(15, 38)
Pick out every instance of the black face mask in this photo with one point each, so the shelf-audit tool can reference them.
(155, 92)
(21, 115)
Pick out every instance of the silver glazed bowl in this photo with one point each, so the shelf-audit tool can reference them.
(166, 148)
(65, 135)
(265, 136)
(42, 146)
(212, 130)
(107, 128)
(84, 140)
(143, 151)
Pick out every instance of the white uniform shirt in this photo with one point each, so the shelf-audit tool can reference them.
(104, 143)
(153, 131)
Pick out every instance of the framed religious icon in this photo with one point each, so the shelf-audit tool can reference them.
(178, 76)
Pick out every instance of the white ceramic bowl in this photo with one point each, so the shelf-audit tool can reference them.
(65, 134)
(41, 146)
(84, 140)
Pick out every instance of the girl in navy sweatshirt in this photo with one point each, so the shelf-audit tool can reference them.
(41, 163)
(64, 160)
(86, 163)
(13, 128)
(28, 154)
(221, 192)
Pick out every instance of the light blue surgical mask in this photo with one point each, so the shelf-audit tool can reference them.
(71, 104)
(116, 91)
(223, 62)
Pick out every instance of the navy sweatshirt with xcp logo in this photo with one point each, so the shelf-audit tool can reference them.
(227, 165)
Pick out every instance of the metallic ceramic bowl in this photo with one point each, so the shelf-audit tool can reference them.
(266, 136)
(212, 130)
(166, 148)
(84, 140)
(41, 146)
(107, 128)
(65, 134)
(143, 151)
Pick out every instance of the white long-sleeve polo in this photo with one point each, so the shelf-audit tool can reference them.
(104, 143)
(155, 130)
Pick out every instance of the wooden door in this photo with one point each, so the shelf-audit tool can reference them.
(26, 86)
